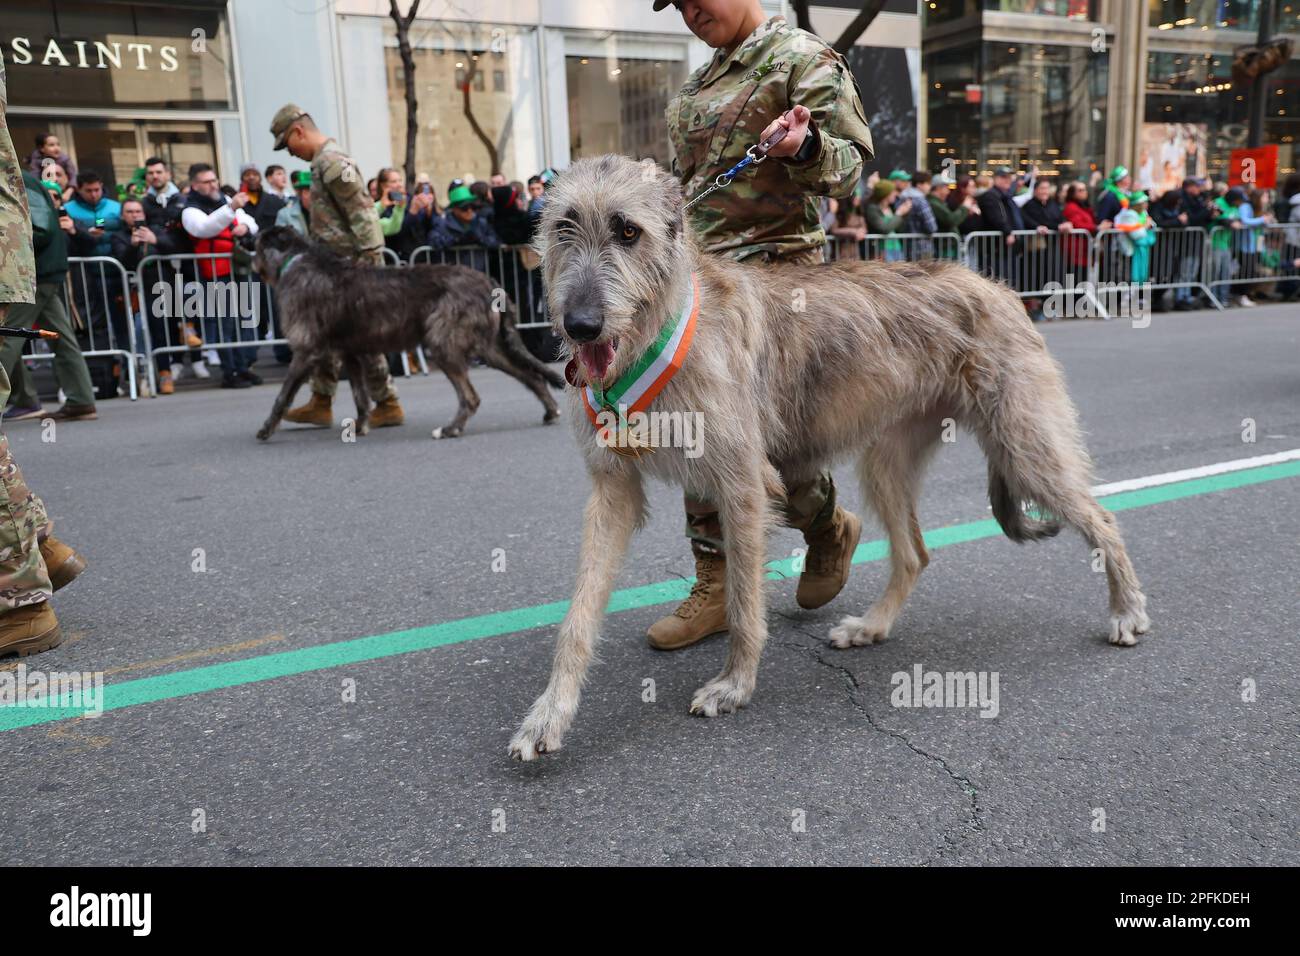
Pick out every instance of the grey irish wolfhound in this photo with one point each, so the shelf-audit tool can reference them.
(792, 368)
(330, 304)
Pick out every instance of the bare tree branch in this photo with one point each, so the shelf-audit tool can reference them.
(802, 19)
(403, 24)
(859, 26)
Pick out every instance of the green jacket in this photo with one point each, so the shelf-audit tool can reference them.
(48, 240)
(948, 219)
(1221, 225)
(880, 222)
(770, 208)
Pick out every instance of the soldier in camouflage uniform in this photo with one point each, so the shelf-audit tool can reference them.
(33, 564)
(764, 73)
(343, 218)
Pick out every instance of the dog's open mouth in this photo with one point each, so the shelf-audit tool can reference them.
(596, 358)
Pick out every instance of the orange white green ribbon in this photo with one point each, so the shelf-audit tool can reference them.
(637, 387)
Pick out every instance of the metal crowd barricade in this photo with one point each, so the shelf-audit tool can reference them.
(506, 267)
(101, 300)
(391, 258)
(226, 311)
(895, 247)
(1039, 265)
(1252, 255)
(1178, 260)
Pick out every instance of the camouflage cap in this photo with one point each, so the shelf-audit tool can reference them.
(284, 118)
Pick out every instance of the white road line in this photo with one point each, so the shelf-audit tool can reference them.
(1169, 477)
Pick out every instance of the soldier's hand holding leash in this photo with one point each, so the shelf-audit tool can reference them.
(795, 123)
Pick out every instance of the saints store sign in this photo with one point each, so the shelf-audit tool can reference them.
(161, 58)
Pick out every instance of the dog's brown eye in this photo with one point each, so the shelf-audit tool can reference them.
(630, 233)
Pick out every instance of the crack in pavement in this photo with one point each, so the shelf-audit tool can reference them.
(974, 822)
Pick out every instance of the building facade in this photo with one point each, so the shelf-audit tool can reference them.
(522, 85)
(1079, 86)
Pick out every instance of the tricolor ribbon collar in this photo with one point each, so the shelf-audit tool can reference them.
(637, 387)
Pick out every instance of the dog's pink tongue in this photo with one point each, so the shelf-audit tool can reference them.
(597, 358)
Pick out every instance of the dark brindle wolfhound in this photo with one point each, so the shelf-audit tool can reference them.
(330, 304)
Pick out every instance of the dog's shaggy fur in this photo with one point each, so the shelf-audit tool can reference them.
(792, 368)
(330, 304)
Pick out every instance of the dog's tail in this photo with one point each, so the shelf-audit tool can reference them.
(1016, 525)
(513, 346)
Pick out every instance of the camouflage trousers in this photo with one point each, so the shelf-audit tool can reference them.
(325, 380)
(23, 525)
(808, 507)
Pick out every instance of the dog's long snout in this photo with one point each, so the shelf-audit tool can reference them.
(584, 323)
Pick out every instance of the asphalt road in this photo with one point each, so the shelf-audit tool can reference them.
(310, 541)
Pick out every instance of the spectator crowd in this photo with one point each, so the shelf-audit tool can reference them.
(1031, 230)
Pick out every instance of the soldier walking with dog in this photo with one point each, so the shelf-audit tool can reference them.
(343, 218)
(764, 74)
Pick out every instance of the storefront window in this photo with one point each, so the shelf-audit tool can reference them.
(1029, 103)
(618, 91)
(476, 85)
(1204, 14)
(1190, 97)
(941, 11)
(116, 55)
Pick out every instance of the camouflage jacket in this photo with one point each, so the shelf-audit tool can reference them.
(722, 111)
(17, 261)
(342, 213)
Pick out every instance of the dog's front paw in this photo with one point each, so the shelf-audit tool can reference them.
(551, 417)
(447, 431)
(722, 695)
(542, 731)
(264, 433)
(534, 738)
(857, 632)
(1124, 628)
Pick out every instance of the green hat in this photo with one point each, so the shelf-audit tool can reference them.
(285, 117)
(881, 189)
(899, 174)
(1118, 173)
(301, 179)
(461, 196)
(1137, 198)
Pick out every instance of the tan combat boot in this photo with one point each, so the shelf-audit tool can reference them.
(29, 630)
(830, 555)
(61, 562)
(319, 412)
(702, 614)
(386, 413)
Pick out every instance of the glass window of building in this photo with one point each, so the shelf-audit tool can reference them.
(941, 11)
(1190, 101)
(618, 90)
(473, 83)
(1015, 104)
(1203, 14)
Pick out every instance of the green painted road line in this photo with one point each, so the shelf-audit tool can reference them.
(251, 670)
